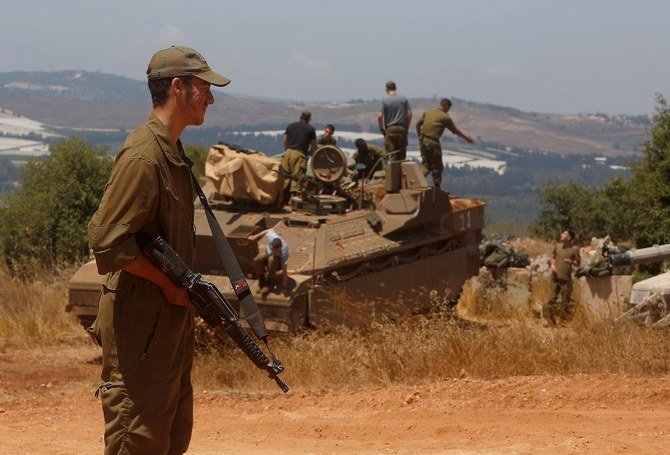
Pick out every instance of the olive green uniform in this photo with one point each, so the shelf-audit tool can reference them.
(562, 284)
(147, 343)
(371, 159)
(432, 125)
(294, 164)
(323, 141)
(265, 267)
(395, 140)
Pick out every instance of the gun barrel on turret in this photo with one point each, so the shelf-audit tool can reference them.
(654, 253)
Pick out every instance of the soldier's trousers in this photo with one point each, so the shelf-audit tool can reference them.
(431, 157)
(266, 266)
(147, 356)
(564, 310)
(294, 164)
(395, 140)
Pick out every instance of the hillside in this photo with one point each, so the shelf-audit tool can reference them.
(89, 100)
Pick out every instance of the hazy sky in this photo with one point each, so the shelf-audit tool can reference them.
(549, 56)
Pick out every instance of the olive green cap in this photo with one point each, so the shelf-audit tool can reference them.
(183, 61)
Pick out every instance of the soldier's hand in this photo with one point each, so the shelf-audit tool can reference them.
(177, 296)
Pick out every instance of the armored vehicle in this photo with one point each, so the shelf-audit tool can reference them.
(360, 249)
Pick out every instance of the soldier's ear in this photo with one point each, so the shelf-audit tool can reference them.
(176, 84)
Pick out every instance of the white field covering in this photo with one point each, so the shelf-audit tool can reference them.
(450, 158)
(21, 126)
(348, 135)
(22, 147)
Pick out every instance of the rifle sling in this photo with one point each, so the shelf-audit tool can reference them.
(232, 268)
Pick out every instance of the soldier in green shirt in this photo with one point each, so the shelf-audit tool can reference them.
(369, 155)
(327, 137)
(429, 129)
(565, 257)
(145, 323)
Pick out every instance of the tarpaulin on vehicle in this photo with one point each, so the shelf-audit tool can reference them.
(244, 175)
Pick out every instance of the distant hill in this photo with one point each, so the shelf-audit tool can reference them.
(73, 85)
(91, 100)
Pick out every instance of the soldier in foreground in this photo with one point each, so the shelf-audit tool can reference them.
(565, 257)
(394, 119)
(299, 142)
(429, 129)
(145, 323)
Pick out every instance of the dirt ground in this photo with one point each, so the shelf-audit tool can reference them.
(47, 407)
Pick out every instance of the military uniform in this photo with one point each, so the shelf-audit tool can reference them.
(371, 159)
(294, 165)
(432, 125)
(267, 262)
(298, 138)
(322, 140)
(562, 284)
(147, 343)
(395, 140)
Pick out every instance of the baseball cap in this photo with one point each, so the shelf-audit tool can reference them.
(183, 61)
(390, 85)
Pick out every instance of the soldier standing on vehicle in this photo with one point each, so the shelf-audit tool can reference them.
(429, 129)
(145, 324)
(327, 137)
(299, 142)
(394, 119)
(565, 257)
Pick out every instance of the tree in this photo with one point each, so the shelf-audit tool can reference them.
(570, 206)
(649, 186)
(637, 209)
(198, 155)
(47, 218)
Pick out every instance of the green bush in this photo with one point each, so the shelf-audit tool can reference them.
(47, 218)
(637, 209)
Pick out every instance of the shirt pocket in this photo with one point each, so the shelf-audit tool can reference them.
(172, 199)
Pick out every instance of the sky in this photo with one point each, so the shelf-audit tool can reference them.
(546, 56)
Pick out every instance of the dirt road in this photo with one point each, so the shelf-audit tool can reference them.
(47, 407)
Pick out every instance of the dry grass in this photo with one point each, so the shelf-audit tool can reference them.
(32, 310)
(408, 351)
(423, 349)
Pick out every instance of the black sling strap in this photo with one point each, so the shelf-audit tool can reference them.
(232, 268)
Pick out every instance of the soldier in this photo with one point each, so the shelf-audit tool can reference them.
(370, 155)
(564, 258)
(394, 119)
(299, 141)
(145, 323)
(327, 137)
(429, 129)
(270, 260)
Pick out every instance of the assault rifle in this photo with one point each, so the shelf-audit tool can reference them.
(212, 306)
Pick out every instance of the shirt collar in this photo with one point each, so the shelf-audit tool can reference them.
(173, 152)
